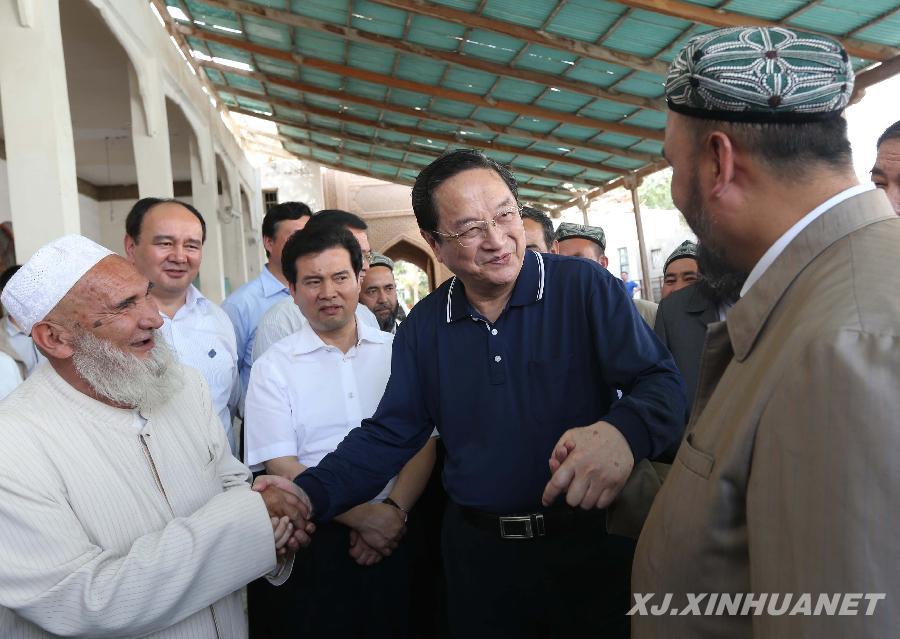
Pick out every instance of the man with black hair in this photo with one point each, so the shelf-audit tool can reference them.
(886, 172)
(284, 317)
(785, 485)
(539, 233)
(246, 305)
(516, 360)
(306, 393)
(164, 240)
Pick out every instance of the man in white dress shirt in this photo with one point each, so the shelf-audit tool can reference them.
(122, 511)
(284, 318)
(164, 240)
(306, 393)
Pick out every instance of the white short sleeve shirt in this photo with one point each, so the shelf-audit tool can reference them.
(305, 396)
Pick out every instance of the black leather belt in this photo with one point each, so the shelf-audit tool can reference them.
(527, 525)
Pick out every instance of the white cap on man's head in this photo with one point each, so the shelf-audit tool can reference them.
(44, 280)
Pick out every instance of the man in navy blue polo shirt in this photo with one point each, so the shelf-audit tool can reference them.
(516, 358)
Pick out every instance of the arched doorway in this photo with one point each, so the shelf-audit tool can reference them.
(405, 250)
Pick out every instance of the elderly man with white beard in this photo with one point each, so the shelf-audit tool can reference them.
(122, 511)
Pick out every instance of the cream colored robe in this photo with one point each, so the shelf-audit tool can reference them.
(92, 545)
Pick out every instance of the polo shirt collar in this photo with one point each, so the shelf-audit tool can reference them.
(270, 284)
(529, 288)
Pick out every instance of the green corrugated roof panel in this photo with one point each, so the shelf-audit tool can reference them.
(273, 4)
(364, 89)
(462, 5)
(507, 140)
(293, 131)
(602, 74)
(357, 147)
(325, 156)
(391, 136)
(452, 108)
(839, 16)
(585, 19)
(409, 98)
(518, 90)
(527, 162)
(608, 111)
(290, 114)
(490, 45)
(245, 83)
(227, 52)
(544, 59)
(275, 67)
(321, 140)
(324, 123)
(389, 154)
(320, 78)
(617, 139)
(649, 146)
(354, 163)
(595, 174)
(254, 105)
(324, 46)
(358, 129)
(669, 54)
(420, 161)
(297, 148)
(385, 170)
(529, 13)
(475, 135)
(588, 156)
(435, 148)
(437, 127)
(408, 174)
(214, 75)
(561, 100)
(767, 9)
(271, 34)
(210, 15)
(435, 33)
(399, 119)
(495, 116)
(537, 125)
(361, 111)
(645, 34)
(648, 119)
(468, 81)
(322, 102)
(278, 91)
(885, 32)
(575, 132)
(562, 172)
(387, 21)
(648, 85)
(555, 148)
(501, 156)
(418, 69)
(228, 98)
(625, 163)
(371, 58)
(327, 10)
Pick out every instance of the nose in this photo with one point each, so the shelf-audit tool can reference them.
(381, 297)
(326, 290)
(178, 255)
(150, 318)
(494, 235)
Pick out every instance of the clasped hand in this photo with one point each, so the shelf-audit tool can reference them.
(591, 465)
(289, 510)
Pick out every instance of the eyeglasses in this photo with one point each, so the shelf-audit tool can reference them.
(475, 232)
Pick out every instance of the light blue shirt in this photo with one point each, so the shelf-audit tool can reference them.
(202, 337)
(245, 307)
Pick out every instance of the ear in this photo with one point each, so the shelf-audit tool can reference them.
(268, 243)
(53, 340)
(723, 157)
(554, 248)
(604, 261)
(428, 237)
(129, 247)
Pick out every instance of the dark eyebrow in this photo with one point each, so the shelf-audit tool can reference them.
(507, 201)
(125, 303)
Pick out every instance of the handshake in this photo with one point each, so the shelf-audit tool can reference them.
(289, 510)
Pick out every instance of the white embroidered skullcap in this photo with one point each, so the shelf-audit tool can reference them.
(44, 280)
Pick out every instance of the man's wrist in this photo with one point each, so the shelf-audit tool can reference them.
(391, 502)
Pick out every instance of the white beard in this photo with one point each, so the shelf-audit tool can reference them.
(126, 379)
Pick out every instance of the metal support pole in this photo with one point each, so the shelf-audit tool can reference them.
(632, 183)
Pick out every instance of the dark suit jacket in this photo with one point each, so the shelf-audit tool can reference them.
(681, 322)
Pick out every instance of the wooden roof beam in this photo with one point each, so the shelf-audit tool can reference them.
(722, 18)
(407, 148)
(297, 106)
(568, 45)
(454, 58)
(614, 184)
(426, 89)
(874, 75)
(472, 125)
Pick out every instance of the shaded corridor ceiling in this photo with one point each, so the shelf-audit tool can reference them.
(568, 94)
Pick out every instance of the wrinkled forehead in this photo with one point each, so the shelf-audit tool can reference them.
(110, 279)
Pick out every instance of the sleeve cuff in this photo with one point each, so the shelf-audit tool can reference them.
(316, 493)
(633, 430)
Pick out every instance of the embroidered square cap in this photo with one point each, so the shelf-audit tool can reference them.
(568, 230)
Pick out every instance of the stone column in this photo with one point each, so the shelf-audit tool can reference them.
(150, 133)
(206, 199)
(37, 125)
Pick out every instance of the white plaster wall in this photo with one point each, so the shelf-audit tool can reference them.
(5, 211)
(89, 210)
(296, 181)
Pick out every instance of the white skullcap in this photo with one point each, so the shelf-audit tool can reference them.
(44, 280)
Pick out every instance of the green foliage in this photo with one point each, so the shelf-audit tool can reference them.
(655, 191)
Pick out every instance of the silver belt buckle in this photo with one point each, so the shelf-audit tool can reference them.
(529, 532)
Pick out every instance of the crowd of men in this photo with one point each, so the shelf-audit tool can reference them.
(744, 428)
